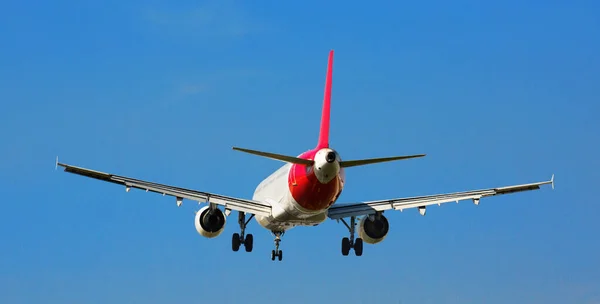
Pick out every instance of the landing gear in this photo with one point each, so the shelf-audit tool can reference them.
(351, 243)
(240, 238)
(277, 253)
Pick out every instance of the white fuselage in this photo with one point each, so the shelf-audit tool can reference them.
(286, 212)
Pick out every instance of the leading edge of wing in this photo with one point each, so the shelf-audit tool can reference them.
(232, 203)
(338, 211)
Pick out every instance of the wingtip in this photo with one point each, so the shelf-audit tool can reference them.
(552, 181)
(59, 164)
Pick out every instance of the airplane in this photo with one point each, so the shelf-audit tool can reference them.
(302, 192)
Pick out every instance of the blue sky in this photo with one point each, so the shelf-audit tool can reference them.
(495, 94)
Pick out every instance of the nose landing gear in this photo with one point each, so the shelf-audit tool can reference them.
(276, 253)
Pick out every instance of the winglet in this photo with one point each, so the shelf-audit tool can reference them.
(56, 164)
(552, 181)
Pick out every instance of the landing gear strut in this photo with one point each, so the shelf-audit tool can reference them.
(277, 253)
(240, 238)
(351, 243)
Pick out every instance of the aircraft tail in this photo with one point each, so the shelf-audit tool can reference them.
(324, 134)
(325, 114)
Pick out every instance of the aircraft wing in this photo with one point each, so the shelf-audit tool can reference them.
(339, 211)
(231, 203)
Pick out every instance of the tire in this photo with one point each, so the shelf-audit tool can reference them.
(358, 247)
(280, 255)
(235, 242)
(248, 242)
(345, 246)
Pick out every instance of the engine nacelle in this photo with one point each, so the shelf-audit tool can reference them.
(210, 223)
(373, 231)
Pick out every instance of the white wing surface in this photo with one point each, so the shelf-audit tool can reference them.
(230, 203)
(339, 211)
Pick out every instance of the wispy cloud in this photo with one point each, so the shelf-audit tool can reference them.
(211, 18)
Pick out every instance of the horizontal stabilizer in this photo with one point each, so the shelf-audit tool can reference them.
(284, 158)
(361, 162)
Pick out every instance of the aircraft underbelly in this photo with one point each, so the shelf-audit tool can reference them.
(287, 221)
(287, 214)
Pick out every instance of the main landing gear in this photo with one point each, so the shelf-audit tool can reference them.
(351, 243)
(277, 253)
(240, 238)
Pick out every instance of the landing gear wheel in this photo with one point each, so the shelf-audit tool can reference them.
(345, 246)
(351, 243)
(241, 238)
(358, 247)
(235, 242)
(276, 252)
(248, 242)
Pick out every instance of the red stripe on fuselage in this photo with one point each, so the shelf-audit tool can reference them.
(306, 189)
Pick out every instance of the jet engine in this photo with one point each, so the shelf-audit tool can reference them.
(210, 223)
(373, 231)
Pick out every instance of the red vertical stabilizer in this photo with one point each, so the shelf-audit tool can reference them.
(324, 131)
